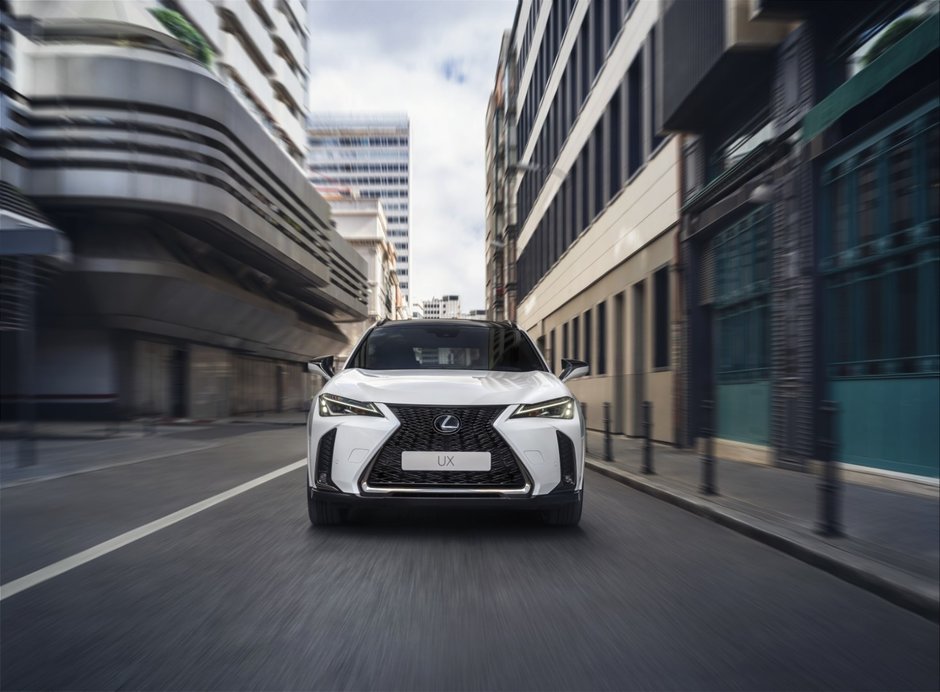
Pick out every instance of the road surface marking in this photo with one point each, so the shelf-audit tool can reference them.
(62, 566)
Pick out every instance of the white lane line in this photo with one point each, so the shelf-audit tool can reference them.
(62, 566)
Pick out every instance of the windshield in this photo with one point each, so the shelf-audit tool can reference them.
(446, 346)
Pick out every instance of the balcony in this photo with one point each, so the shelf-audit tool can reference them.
(292, 126)
(289, 81)
(243, 20)
(237, 60)
(284, 31)
(713, 50)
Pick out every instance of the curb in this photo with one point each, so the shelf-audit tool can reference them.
(916, 595)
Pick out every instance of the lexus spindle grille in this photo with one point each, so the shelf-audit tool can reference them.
(417, 433)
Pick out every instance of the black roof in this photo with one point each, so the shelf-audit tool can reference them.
(443, 323)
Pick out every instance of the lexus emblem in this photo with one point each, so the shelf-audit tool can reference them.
(447, 424)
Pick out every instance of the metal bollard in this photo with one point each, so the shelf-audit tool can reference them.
(830, 486)
(648, 438)
(708, 451)
(608, 451)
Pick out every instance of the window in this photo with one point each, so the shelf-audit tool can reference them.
(601, 366)
(598, 160)
(742, 306)
(614, 20)
(661, 318)
(584, 190)
(879, 219)
(597, 39)
(575, 333)
(585, 82)
(634, 111)
(551, 350)
(588, 354)
(564, 340)
(614, 175)
(655, 139)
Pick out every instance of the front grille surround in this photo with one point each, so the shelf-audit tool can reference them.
(567, 467)
(324, 468)
(416, 433)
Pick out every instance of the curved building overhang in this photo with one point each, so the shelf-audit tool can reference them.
(176, 301)
(129, 128)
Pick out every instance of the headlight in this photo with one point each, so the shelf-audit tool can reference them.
(556, 408)
(332, 405)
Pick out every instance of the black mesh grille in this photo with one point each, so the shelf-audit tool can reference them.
(568, 477)
(476, 434)
(324, 479)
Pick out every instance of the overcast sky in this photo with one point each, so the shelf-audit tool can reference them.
(435, 60)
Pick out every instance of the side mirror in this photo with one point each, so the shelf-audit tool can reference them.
(573, 368)
(322, 366)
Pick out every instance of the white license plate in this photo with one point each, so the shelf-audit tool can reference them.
(445, 461)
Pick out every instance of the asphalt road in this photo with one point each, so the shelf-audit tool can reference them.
(247, 595)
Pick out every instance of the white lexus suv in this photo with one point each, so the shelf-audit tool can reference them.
(445, 412)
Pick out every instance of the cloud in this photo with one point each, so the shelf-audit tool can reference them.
(437, 62)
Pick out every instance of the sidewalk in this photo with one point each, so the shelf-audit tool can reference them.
(892, 539)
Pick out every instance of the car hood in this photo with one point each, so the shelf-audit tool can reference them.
(446, 387)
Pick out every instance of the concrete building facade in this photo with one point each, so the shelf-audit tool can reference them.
(362, 223)
(368, 153)
(204, 268)
(443, 308)
(597, 202)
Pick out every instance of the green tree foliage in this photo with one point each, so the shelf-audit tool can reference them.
(185, 32)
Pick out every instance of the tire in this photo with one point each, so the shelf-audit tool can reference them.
(324, 513)
(566, 515)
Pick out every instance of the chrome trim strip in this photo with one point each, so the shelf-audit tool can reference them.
(449, 490)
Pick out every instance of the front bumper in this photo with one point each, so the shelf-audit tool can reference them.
(534, 442)
(482, 502)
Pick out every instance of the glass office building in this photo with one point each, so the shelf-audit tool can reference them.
(368, 154)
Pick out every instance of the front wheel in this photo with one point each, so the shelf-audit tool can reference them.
(324, 513)
(566, 515)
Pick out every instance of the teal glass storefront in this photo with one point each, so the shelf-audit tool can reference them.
(741, 327)
(879, 261)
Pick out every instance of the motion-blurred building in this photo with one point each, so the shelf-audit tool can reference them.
(166, 142)
(597, 203)
(731, 202)
(501, 173)
(368, 153)
(811, 183)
